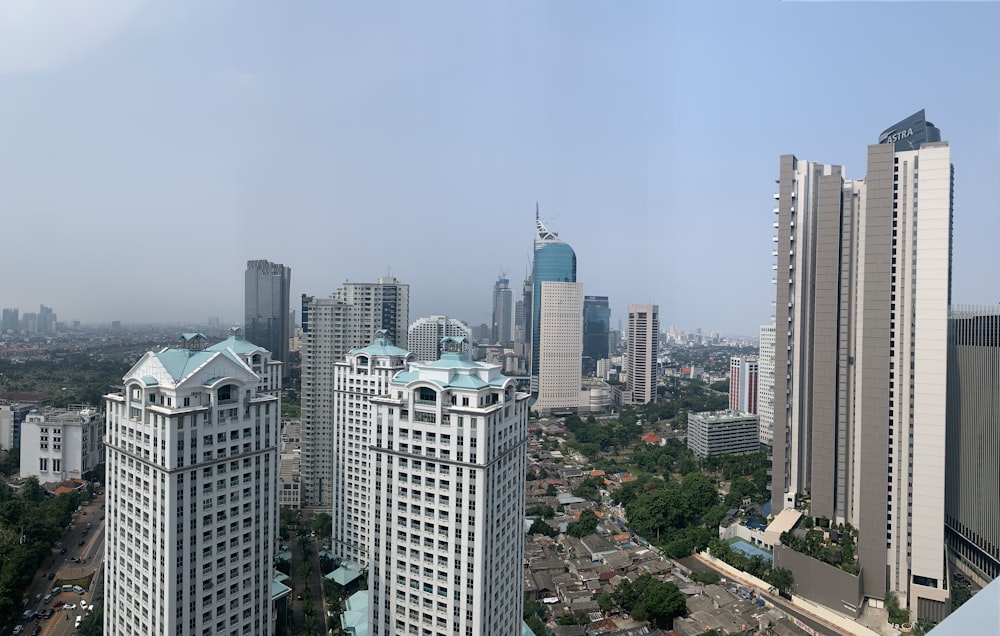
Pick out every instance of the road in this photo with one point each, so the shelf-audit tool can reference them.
(63, 568)
(299, 583)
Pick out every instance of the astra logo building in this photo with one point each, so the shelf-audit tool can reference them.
(910, 133)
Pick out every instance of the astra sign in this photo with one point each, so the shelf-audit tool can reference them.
(892, 136)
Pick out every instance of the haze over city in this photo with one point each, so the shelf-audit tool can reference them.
(150, 150)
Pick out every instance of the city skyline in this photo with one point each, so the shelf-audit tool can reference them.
(147, 118)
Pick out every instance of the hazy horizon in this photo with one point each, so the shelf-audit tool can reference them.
(151, 150)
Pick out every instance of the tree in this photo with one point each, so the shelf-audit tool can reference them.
(782, 579)
(661, 603)
(585, 525)
(605, 602)
(897, 615)
(322, 524)
(923, 625)
(541, 510)
(589, 488)
(550, 491)
(706, 578)
(540, 527)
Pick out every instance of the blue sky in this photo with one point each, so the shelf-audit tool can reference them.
(150, 149)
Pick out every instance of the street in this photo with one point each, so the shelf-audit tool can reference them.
(64, 569)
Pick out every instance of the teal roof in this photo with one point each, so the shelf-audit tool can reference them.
(357, 601)
(285, 555)
(149, 380)
(355, 619)
(192, 336)
(381, 347)
(453, 360)
(237, 345)
(463, 381)
(180, 363)
(404, 377)
(344, 575)
(278, 589)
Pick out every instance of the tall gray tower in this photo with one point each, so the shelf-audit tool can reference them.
(503, 298)
(266, 322)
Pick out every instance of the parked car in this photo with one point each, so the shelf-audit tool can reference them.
(81, 542)
(52, 575)
(69, 606)
(78, 619)
(63, 551)
(83, 604)
(18, 629)
(58, 604)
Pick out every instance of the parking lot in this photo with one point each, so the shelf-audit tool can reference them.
(61, 592)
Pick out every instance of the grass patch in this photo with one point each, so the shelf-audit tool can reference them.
(84, 582)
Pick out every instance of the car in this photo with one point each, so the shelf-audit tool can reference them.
(48, 597)
(52, 575)
(37, 630)
(38, 597)
(298, 597)
(58, 604)
(78, 620)
(48, 613)
(85, 533)
(69, 606)
(81, 542)
(63, 551)
(83, 604)
(18, 629)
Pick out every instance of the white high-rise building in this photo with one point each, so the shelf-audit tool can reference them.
(643, 345)
(331, 328)
(560, 346)
(447, 540)
(365, 373)
(192, 468)
(58, 444)
(765, 384)
(425, 335)
(861, 355)
(744, 374)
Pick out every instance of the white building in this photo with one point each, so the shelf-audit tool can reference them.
(192, 469)
(365, 373)
(425, 335)
(643, 347)
(722, 433)
(765, 384)
(58, 444)
(861, 356)
(447, 540)
(744, 374)
(331, 328)
(560, 346)
(290, 470)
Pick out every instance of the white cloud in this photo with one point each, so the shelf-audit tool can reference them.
(42, 35)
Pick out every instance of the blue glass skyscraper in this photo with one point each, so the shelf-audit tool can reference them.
(554, 261)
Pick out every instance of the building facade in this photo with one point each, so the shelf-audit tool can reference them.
(596, 329)
(425, 335)
(192, 461)
(861, 358)
(972, 500)
(447, 540)
(744, 374)
(266, 300)
(765, 384)
(559, 347)
(503, 311)
(363, 374)
(722, 433)
(643, 348)
(331, 328)
(58, 444)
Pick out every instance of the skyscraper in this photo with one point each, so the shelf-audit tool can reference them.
(425, 335)
(860, 356)
(503, 298)
(555, 262)
(596, 327)
(192, 467)
(362, 374)
(972, 501)
(331, 328)
(743, 383)
(267, 286)
(448, 460)
(765, 384)
(643, 344)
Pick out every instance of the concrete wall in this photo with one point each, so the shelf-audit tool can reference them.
(822, 583)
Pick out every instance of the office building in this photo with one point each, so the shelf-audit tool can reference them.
(447, 540)
(10, 322)
(289, 467)
(643, 347)
(861, 356)
(503, 311)
(744, 374)
(557, 301)
(765, 384)
(266, 304)
(331, 328)
(596, 330)
(363, 374)
(192, 461)
(972, 500)
(58, 444)
(425, 335)
(722, 433)
(559, 347)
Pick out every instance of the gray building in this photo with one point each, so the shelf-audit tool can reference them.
(503, 311)
(722, 433)
(861, 355)
(266, 323)
(972, 501)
